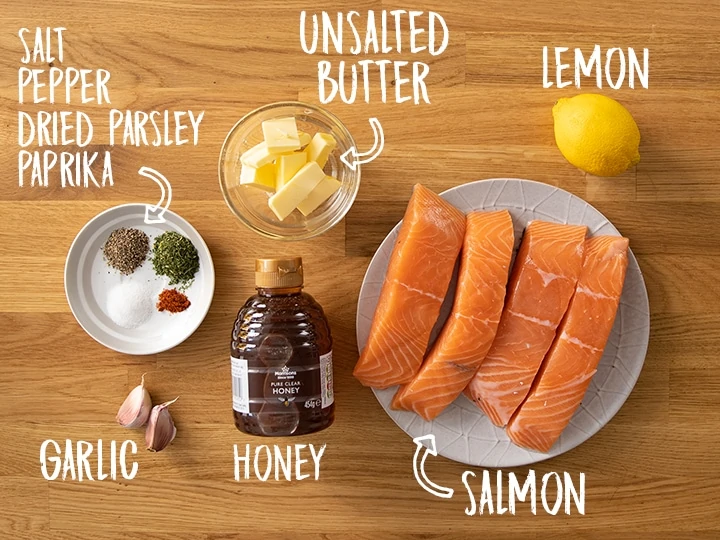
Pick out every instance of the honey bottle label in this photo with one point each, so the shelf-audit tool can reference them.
(240, 390)
(302, 387)
(326, 379)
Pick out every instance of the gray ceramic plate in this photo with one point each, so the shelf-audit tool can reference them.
(462, 432)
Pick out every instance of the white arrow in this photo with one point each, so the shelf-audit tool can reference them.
(352, 158)
(154, 214)
(419, 469)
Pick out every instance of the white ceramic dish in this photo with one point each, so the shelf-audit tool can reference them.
(88, 279)
(462, 432)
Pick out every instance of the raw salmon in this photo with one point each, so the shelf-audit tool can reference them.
(543, 280)
(573, 358)
(417, 279)
(470, 329)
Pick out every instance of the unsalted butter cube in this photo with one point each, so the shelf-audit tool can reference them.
(322, 192)
(258, 156)
(263, 178)
(305, 138)
(287, 165)
(296, 190)
(320, 147)
(281, 135)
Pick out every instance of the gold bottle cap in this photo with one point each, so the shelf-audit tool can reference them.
(279, 273)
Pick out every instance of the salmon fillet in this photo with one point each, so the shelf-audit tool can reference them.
(417, 280)
(574, 356)
(470, 329)
(543, 280)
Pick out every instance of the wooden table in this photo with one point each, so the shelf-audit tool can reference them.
(652, 472)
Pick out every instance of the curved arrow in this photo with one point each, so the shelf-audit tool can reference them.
(352, 158)
(419, 469)
(154, 213)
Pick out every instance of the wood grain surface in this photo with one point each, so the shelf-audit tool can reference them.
(654, 471)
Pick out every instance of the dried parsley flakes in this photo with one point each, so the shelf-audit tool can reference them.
(175, 256)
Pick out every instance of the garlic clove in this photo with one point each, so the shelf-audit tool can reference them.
(135, 410)
(161, 429)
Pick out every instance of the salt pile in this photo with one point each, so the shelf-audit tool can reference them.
(130, 304)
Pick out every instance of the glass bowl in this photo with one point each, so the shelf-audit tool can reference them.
(250, 204)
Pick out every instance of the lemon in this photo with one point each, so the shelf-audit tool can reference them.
(596, 134)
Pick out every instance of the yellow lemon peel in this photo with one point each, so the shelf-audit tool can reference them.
(596, 134)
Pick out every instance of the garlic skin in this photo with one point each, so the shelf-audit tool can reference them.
(160, 430)
(135, 410)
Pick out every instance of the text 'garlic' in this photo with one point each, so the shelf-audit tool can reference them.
(161, 429)
(135, 410)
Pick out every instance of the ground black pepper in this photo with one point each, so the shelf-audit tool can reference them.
(126, 249)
